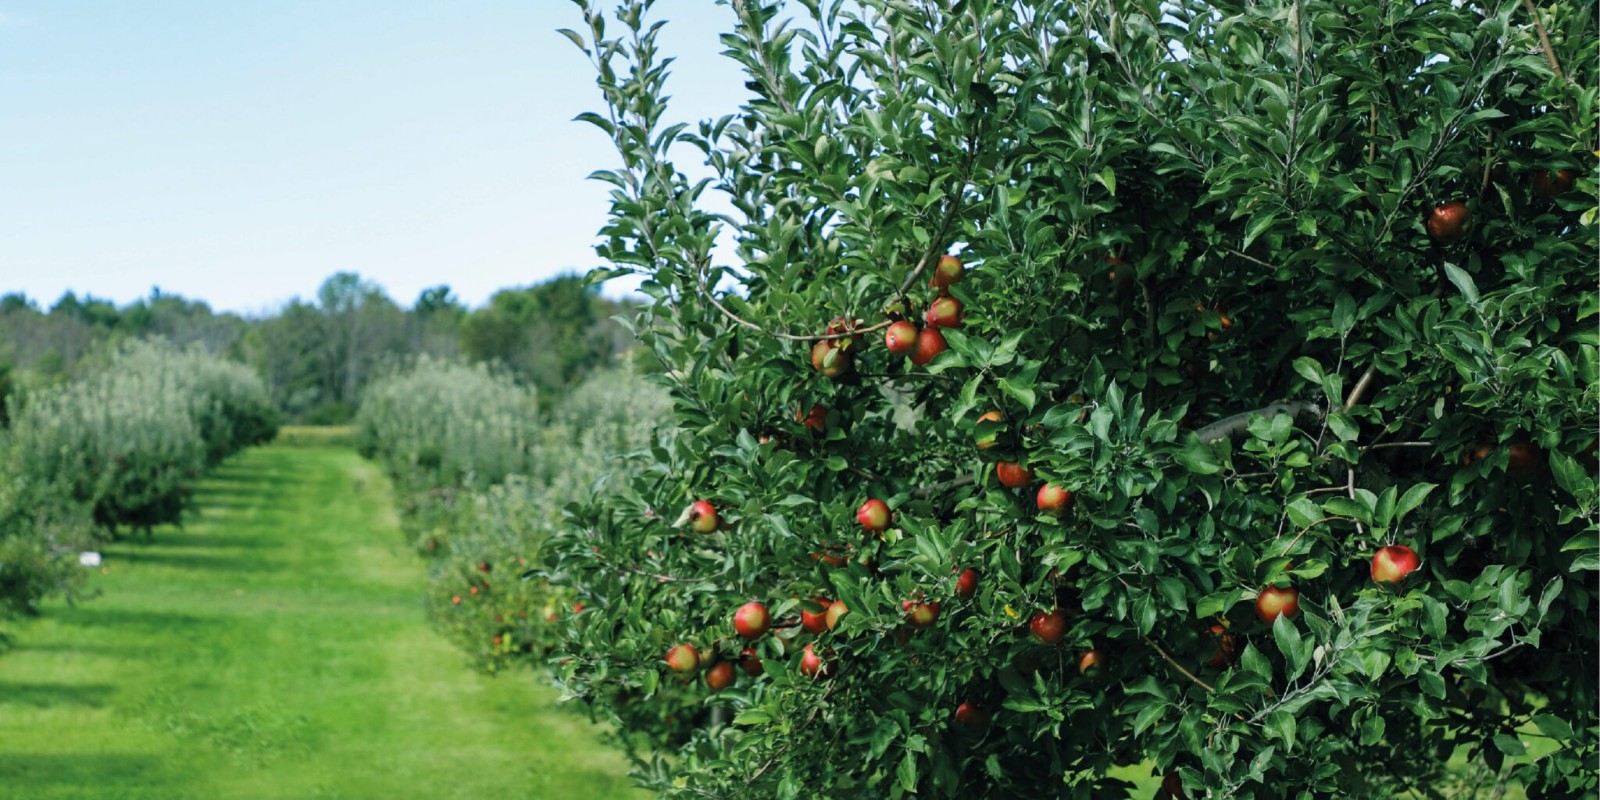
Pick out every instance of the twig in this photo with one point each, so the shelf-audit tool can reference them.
(1396, 444)
(1296, 539)
(955, 483)
(1361, 387)
(1544, 39)
(1230, 426)
(1179, 667)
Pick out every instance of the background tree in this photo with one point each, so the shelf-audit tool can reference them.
(1268, 318)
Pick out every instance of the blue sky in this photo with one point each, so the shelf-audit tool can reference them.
(240, 152)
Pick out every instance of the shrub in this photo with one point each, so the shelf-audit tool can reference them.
(1205, 297)
(40, 538)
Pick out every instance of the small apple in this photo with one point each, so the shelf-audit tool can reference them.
(901, 338)
(986, 439)
(703, 517)
(720, 676)
(1048, 627)
(1550, 184)
(1479, 452)
(930, 343)
(1173, 786)
(577, 608)
(1089, 661)
(1053, 499)
(683, 659)
(1225, 648)
(1522, 459)
(1393, 563)
(750, 662)
(835, 613)
(456, 600)
(815, 621)
(1013, 474)
(1447, 222)
(496, 640)
(830, 359)
(972, 715)
(944, 312)
(967, 583)
(813, 665)
(873, 515)
(1274, 601)
(815, 420)
(947, 273)
(474, 590)
(751, 620)
(920, 614)
(484, 566)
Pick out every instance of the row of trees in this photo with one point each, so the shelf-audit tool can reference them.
(1251, 446)
(317, 355)
(482, 477)
(118, 449)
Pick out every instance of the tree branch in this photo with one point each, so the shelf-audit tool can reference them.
(1228, 427)
(1544, 39)
(1179, 667)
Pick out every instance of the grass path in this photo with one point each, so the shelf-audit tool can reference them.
(276, 648)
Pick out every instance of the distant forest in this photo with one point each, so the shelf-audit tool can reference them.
(317, 355)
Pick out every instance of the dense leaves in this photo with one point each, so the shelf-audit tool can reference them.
(1172, 215)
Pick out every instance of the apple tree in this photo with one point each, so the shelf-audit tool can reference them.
(1244, 443)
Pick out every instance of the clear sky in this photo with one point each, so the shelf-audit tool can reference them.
(240, 152)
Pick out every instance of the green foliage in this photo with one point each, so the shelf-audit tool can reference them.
(40, 538)
(1258, 177)
(550, 334)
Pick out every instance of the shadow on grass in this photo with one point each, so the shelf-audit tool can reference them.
(141, 621)
(209, 562)
(90, 772)
(47, 695)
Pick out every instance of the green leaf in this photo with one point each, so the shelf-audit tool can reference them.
(752, 716)
(908, 772)
(1281, 725)
(1412, 498)
(1343, 427)
(1296, 651)
(1463, 282)
(1510, 745)
(1022, 393)
(1253, 661)
(1198, 458)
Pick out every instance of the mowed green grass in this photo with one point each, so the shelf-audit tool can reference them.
(276, 647)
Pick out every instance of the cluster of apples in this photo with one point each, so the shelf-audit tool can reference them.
(1447, 222)
(904, 339)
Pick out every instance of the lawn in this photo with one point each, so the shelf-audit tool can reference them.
(275, 647)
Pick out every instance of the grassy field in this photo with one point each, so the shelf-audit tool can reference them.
(276, 648)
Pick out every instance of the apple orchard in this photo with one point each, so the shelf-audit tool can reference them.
(1197, 390)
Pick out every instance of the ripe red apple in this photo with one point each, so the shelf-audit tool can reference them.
(1013, 474)
(474, 590)
(1089, 661)
(972, 715)
(836, 612)
(1274, 601)
(873, 515)
(484, 566)
(967, 583)
(1225, 648)
(1048, 627)
(944, 312)
(703, 517)
(920, 614)
(683, 659)
(987, 439)
(1479, 452)
(901, 338)
(813, 665)
(720, 676)
(829, 358)
(496, 640)
(930, 343)
(817, 621)
(1053, 499)
(751, 620)
(456, 600)
(1393, 563)
(1522, 459)
(815, 420)
(750, 662)
(1447, 222)
(947, 273)
(1550, 184)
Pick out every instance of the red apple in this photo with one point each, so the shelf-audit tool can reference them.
(815, 622)
(1089, 661)
(456, 600)
(835, 613)
(720, 676)
(1479, 452)
(947, 273)
(815, 420)
(1053, 499)
(814, 665)
(873, 515)
(930, 343)
(829, 358)
(1225, 648)
(1013, 474)
(484, 566)
(683, 659)
(750, 662)
(1393, 563)
(751, 620)
(496, 641)
(986, 438)
(1447, 222)
(967, 583)
(703, 517)
(972, 715)
(1550, 184)
(1274, 601)
(920, 614)
(1173, 786)
(1048, 627)
(1522, 459)
(944, 312)
(901, 338)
